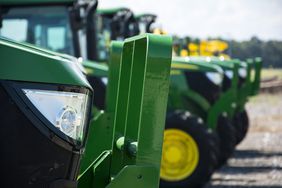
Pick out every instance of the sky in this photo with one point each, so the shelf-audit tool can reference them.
(230, 19)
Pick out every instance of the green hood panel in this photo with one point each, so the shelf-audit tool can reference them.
(96, 69)
(21, 63)
(194, 65)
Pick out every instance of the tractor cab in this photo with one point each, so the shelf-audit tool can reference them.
(48, 26)
(112, 24)
(145, 22)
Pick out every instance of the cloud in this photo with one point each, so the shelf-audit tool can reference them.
(238, 19)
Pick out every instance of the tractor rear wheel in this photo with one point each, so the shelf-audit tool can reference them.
(227, 139)
(189, 152)
(241, 122)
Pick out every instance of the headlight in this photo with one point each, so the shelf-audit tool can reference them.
(242, 72)
(67, 111)
(229, 73)
(215, 77)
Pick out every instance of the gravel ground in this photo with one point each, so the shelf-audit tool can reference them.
(257, 161)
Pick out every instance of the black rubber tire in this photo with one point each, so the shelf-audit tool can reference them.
(227, 139)
(241, 122)
(207, 143)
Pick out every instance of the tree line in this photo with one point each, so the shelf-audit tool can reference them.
(270, 51)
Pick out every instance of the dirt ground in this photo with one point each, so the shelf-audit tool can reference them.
(257, 161)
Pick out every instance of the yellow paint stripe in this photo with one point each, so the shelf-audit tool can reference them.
(89, 71)
(175, 72)
(184, 66)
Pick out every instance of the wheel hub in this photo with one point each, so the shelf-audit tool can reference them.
(180, 155)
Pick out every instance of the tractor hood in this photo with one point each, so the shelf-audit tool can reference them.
(195, 65)
(32, 64)
(203, 78)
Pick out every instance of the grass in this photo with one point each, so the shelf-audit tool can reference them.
(266, 97)
(265, 112)
(268, 73)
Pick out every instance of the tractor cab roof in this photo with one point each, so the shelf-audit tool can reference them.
(146, 17)
(113, 11)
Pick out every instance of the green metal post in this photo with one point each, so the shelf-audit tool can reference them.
(256, 83)
(143, 86)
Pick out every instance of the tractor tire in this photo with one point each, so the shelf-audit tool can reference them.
(241, 122)
(227, 139)
(190, 152)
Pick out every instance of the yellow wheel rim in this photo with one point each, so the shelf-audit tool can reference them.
(180, 155)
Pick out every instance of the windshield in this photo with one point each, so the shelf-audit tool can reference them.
(104, 36)
(46, 27)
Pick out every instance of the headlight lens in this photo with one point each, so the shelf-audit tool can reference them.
(215, 77)
(243, 72)
(67, 111)
(229, 74)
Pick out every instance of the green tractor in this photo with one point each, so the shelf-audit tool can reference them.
(221, 109)
(199, 172)
(248, 85)
(195, 173)
(124, 141)
(65, 18)
(198, 109)
(226, 114)
(217, 106)
(145, 23)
